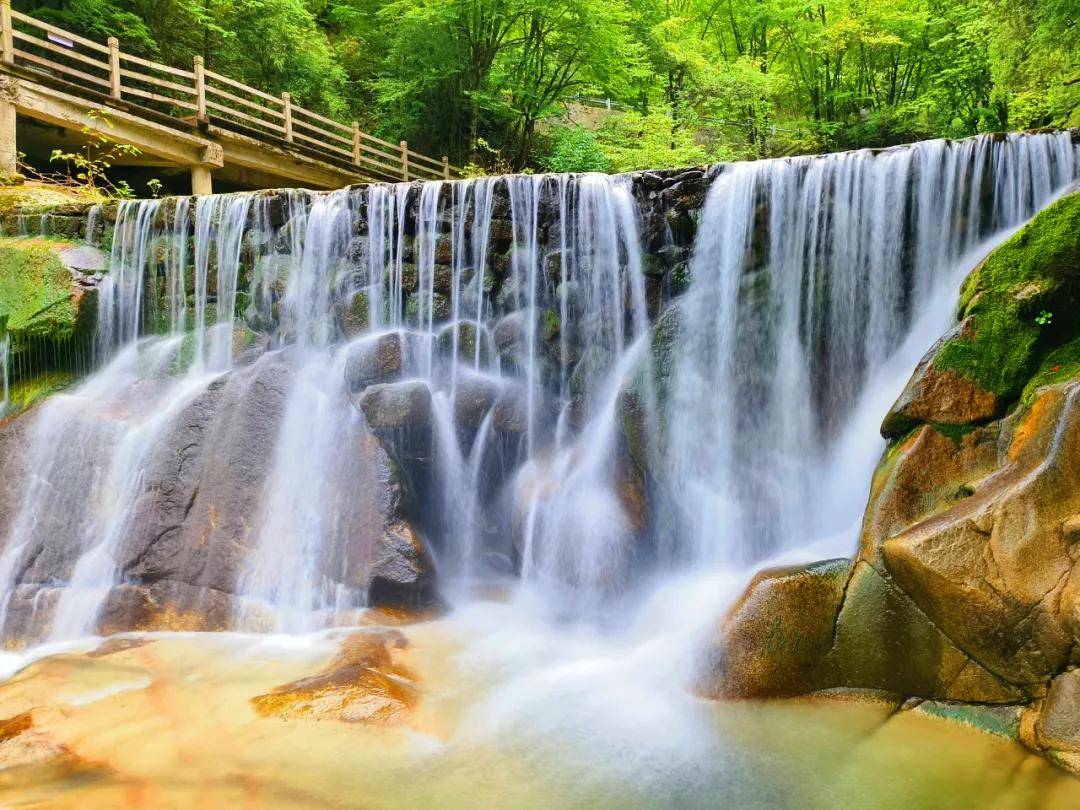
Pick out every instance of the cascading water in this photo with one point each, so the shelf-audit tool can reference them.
(506, 349)
(807, 276)
(87, 451)
(5, 349)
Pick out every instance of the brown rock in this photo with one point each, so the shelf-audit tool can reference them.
(37, 754)
(923, 474)
(940, 396)
(1057, 729)
(991, 570)
(363, 684)
(772, 640)
(884, 642)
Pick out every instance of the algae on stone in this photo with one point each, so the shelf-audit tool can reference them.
(36, 292)
(1036, 271)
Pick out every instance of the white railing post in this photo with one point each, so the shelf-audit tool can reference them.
(114, 67)
(200, 89)
(445, 167)
(356, 142)
(8, 37)
(405, 161)
(286, 108)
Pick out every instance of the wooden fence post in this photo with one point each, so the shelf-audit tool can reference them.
(286, 104)
(405, 161)
(356, 142)
(445, 167)
(200, 89)
(8, 37)
(114, 67)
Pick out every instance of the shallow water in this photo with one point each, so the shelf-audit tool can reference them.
(509, 716)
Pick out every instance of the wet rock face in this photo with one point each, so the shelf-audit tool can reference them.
(781, 628)
(388, 406)
(198, 519)
(195, 521)
(966, 587)
(375, 360)
(204, 483)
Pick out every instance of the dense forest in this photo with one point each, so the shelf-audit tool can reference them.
(516, 83)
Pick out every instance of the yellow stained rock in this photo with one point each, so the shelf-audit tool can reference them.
(362, 684)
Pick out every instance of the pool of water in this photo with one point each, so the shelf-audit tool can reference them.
(509, 713)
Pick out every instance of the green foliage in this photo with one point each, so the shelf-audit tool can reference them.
(655, 141)
(574, 149)
(492, 82)
(1060, 365)
(89, 167)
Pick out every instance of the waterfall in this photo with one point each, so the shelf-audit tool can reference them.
(5, 351)
(219, 231)
(806, 277)
(120, 296)
(479, 341)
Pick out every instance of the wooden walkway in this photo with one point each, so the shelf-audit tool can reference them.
(195, 118)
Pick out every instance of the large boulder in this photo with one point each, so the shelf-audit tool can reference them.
(993, 570)
(397, 405)
(775, 636)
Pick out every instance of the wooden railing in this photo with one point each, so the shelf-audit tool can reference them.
(201, 96)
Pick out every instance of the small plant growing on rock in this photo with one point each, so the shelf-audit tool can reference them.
(88, 166)
(1044, 318)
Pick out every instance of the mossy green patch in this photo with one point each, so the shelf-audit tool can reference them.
(1060, 365)
(552, 326)
(647, 393)
(31, 198)
(36, 292)
(30, 391)
(184, 357)
(955, 433)
(1009, 297)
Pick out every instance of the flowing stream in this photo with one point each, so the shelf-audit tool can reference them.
(526, 313)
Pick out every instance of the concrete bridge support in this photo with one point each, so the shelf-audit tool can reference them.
(201, 182)
(9, 156)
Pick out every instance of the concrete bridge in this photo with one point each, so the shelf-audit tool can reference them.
(54, 85)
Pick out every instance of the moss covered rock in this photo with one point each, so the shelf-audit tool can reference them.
(38, 293)
(1016, 308)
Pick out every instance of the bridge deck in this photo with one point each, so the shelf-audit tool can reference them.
(194, 118)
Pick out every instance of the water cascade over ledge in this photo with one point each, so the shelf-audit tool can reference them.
(306, 403)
